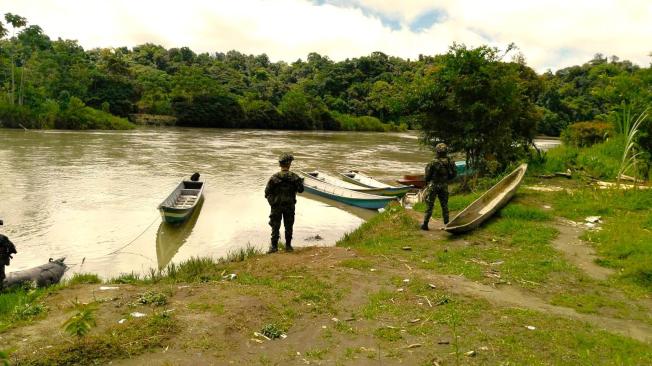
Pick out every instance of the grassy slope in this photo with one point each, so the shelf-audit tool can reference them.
(378, 314)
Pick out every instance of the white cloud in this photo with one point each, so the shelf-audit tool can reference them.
(551, 34)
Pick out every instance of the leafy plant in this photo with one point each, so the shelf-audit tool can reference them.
(153, 297)
(4, 357)
(630, 127)
(82, 322)
(27, 310)
(271, 331)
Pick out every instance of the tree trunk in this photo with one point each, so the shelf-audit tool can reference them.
(21, 91)
(13, 84)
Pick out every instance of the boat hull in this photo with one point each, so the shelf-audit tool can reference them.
(393, 192)
(490, 202)
(172, 216)
(358, 202)
(181, 203)
(372, 186)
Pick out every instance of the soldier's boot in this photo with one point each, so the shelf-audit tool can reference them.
(288, 243)
(273, 248)
(426, 220)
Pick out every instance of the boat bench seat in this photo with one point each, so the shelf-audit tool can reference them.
(189, 192)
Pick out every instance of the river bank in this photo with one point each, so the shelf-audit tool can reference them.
(515, 291)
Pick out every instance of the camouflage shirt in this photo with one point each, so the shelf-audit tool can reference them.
(282, 188)
(440, 171)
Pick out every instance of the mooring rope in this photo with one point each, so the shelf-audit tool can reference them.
(136, 238)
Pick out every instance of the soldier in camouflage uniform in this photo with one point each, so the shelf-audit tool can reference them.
(438, 173)
(281, 193)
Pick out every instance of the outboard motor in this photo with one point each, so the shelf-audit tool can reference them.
(7, 250)
(195, 177)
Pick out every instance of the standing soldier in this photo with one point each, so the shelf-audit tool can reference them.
(438, 173)
(281, 193)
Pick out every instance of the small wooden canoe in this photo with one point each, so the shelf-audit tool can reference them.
(344, 195)
(375, 186)
(490, 202)
(44, 275)
(181, 203)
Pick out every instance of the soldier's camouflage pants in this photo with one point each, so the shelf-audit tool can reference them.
(434, 191)
(287, 214)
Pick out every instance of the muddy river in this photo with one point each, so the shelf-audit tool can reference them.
(92, 196)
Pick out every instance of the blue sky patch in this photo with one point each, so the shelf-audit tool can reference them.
(427, 19)
(387, 20)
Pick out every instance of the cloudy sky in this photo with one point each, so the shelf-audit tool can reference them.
(550, 33)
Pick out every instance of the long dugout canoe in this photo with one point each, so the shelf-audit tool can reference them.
(487, 204)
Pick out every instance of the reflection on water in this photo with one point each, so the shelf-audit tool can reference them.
(169, 238)
(85, 194)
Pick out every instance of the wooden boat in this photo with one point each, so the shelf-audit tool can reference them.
(169, 238)
(44, 275)
(344, 195)
(355, 187)
(376, 187)
(418, 180)
(181, 203)
(490, 202)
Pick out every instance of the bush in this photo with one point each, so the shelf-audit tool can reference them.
(15, 116)
(260, 114)
(219, 110)
(75, 115)
(365, 123)
(601, 160)
(585, 134)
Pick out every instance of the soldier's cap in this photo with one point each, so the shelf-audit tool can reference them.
(441, 148)
(285, 158)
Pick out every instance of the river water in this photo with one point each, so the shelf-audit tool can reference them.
(93, 196)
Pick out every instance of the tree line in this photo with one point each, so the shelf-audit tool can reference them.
(47, 83)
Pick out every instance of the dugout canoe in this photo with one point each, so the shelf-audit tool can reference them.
(181, 203)
(378, 187)
(490, 202)
(44, 275)
(344, 195)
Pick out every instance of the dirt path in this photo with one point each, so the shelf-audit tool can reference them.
(578, 252)
(509, 296)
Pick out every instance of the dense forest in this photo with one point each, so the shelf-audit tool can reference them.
(47, 83)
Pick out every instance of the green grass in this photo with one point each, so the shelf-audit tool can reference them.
(624, 241)
(217, 309)
(299, 288)
(84, 278)
(600, 161)
(356, 263)
(455, 203)
(556, 341)
(19, 306)
(118, 341)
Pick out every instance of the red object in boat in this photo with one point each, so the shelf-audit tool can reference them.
(417, 180)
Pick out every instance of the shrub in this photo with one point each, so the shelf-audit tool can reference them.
(365, 123)
(584, 134)
(82, 321)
